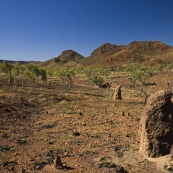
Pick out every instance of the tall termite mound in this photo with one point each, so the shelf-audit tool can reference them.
(156, 126)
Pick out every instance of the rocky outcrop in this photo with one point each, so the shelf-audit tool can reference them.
(149, 47)
(68, 55)
(156, 127)
(103, 49)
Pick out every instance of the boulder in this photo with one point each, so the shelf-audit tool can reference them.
(156, 126)
(105, 85)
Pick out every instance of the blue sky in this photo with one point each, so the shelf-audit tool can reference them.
(42, 29)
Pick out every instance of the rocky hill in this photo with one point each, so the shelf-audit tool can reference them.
(67, 57)
(107, 47)
(145, 52)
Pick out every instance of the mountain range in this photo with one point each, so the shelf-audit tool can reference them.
(143, 52)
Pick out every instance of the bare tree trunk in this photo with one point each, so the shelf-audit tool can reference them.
(15, 85)
(11, 80)
(145, 94)
(22, 81)
(69, 85)
(30, 88)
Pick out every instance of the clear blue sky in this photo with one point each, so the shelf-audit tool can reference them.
(42, 29)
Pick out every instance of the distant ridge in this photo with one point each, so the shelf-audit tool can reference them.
(103, 49)
(21, 62)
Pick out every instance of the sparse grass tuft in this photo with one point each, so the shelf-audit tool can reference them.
(50, 141)
(21, 141)
(106, 163)
(79, 140)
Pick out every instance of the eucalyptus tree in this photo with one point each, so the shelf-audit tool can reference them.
(50, 71)
(97, 80)
(105, 71)
(67, 74)
(93, 74)
(7, 67)
(42, 74)
(16, 72)
(89, 71)
(140, 77)
(32, 73)
(166, 71)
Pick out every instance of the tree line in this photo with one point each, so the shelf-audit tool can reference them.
(139, 75)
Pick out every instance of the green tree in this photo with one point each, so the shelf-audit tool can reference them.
(105, 71)
(89, 71)
(93, 73)
(141, 77)
(50, 71)
(67, 74)
(97, 80)
(16, 72)
(78, 69)
(166, 70)
(158, 68)
(43, 75)
(32, 73)
(6, 67)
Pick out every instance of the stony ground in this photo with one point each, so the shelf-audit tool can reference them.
(87, 129)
